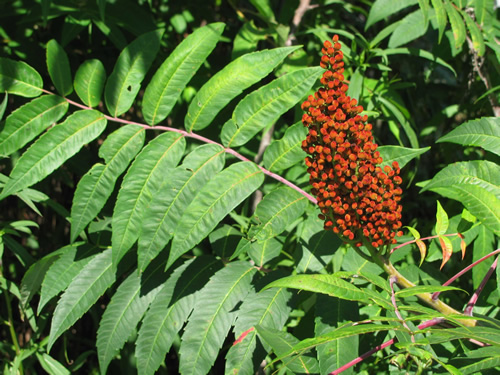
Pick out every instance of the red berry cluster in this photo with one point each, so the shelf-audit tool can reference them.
(357, 197)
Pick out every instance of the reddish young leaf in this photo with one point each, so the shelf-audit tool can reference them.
(447, 249)
(423, 250)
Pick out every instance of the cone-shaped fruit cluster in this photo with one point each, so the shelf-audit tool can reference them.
(356, 196)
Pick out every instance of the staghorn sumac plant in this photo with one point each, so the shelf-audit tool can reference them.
(158, 213)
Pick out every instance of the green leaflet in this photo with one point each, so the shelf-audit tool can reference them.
(483, 245)
(169, 310)
(224, 240)
(317, 246)
(177, 70)
(29, 120)
(18, 78)
(215, 200)
(130, 69)
(331, 313)
(482, 173)
(264, 106)
(64, 269)
(142, 181)
(356, 84)
(89, 82)
(475, 34)
(287, 151)
(442, 221)
(457, 24)
(326, 284)
(50, 365)
(230, 82)
(269, 309)
(174, 196)
(440, 16)
(58, 67)
(483, 334)
(213, 314)
(478, 201)
(382, 9)
(92, 281)
(403, 155)
(396, 112)
(3, 105)
(53, 148)
(96, 186)
(276, 211)
(264, 8)
(126, 309)
(413, 291)
(282, 342)
(484, 133)
(481, 365)
(261, 252)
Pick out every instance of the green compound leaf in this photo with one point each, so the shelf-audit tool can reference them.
(457, 24)
(440, 17)
(287, 151)
(230, 82)
(177, 70)
(126, 309)
(91, 283)
(96, 186)
(143, 179)
(410, 28)
(270, 309)
(58, 67)
(89, 82)
(382, 9)
(174, 196)
(64, 269)
(169, 311)
(29, 120)
(130, 69)
(480, 365)
(484, 133)
(53, 148)
(215, 200)
(214, 313)
(281, 343)
(276, 211)
(18, 78)
(483, 173)
(403, 155)
(478, 201)
(264, 106)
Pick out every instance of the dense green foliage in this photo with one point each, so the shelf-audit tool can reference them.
(156, 208)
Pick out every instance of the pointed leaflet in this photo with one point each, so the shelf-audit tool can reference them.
(332, 313)
(130, 69)
(382, 9)
(457, 24)
(282, 342)
(53, 148)
(123, 313)
(475, 34)
(287, 151)
(92, 281)
(215, 200)
(230, 82)
(96, 186)
(484, 133)
(317, 246)
(403, 155)
(18, 78)
(177, 70)
(480, 202)
(28, 121)
(483, 173)
(58, 67)
(261, 252)
(270, 309)
(64, 269)
(265, 105)
(175, 195)
(214, 313)
(440, 16)
(410, 28)
(169, 310)
(276, 211)
(143, 179)
(442, 221)
(89, 82)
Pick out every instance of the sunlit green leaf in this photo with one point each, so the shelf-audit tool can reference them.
(457, 24)
(89, 82)
(402, 155)
(412, 26)
(287, 151)
(440, 16)
(18, 78)
(58, 67)
(382, 9)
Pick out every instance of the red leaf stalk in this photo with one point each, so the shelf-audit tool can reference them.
(358, 199)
